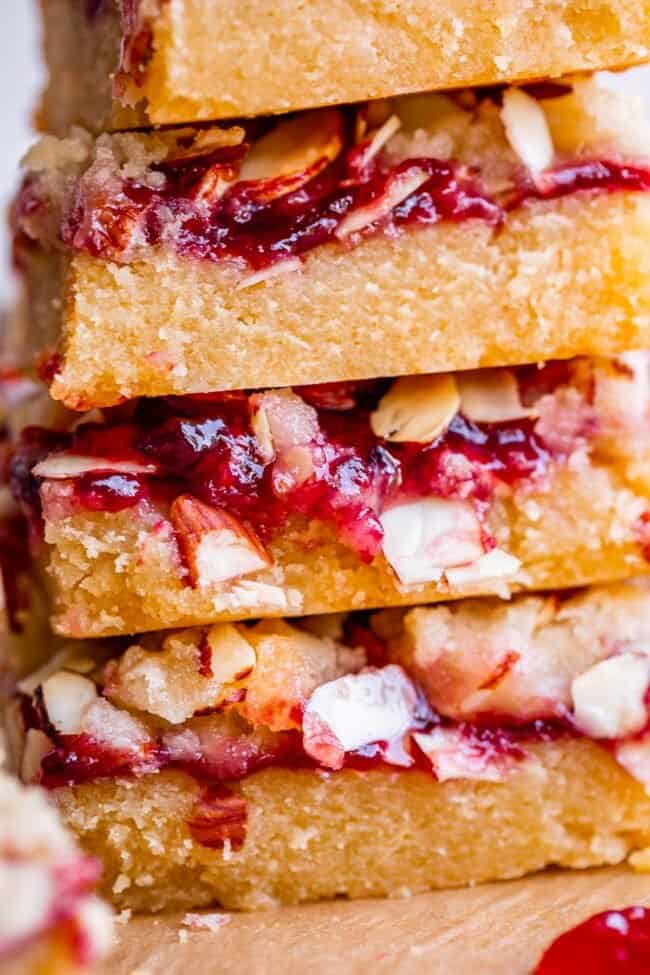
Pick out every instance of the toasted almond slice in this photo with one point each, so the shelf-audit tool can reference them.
(427, 111)
(527, 129)
(268, 273)
(232, 657)
(399, 187)
(609, 699)
(494, 566)
(416, 409)
(59, 467)
(66, 697)
(201, 142)
(490, 396)
(262, 430)
(37, 746)
(215, 545)
(424, 538)
(295, 147)
(379, 139)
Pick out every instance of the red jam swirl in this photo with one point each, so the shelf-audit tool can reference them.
(204, 446)
(607, 944)
(253, 227)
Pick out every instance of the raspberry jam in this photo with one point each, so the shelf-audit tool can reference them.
(205, 446)
(198, 206)
(606, 944)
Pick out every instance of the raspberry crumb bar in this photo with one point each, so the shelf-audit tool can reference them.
(416, 234)
(50, 922)
(188, 510)
(120, 63)
(273, 763)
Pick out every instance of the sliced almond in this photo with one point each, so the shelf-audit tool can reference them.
(66, 697)
(398, 188)
(268, 273)
(527, 129)
(294, 151)
(63, 466)
(424, 538)
(428, 111)
(262, 430)
(201, 142)
(215, 545)
(490, 396)
(378, 140)
(416, 409)
(37, 746)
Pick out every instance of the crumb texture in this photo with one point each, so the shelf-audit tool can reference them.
(313, 836)
(120, 573)
(228, 58)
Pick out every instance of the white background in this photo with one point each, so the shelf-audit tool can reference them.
(20, 81)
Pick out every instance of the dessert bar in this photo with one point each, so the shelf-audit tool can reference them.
(171, 512)
(50, 923)
(273, 763)
(124, 63)
(420, 234)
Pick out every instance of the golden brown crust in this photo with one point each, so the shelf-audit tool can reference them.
(314, 835)
(215, 59)
(120, 573)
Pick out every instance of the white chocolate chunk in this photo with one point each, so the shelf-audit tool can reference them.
(423, 538)
(609, 698)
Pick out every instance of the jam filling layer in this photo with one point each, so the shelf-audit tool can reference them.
(267, 194)
(315, 452)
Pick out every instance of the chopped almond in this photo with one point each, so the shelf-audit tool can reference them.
(215, 546)
(454, 757)
(493, 567)
(232, 657)
(37, 746)
(416, 409)
(490, 396)
(66, 697)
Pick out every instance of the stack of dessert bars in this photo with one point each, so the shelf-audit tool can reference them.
(336, 490)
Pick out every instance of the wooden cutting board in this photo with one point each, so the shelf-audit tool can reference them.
(495, 929)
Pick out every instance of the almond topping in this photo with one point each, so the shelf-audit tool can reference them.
(295, 150)
(233, 658)
(416, 409)
(216, 546)
(63, 466)
(398, 188)
(66, 697)
(379, 139)
(527, 129)
(490, 396)
(424, 538)
(268, 273)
